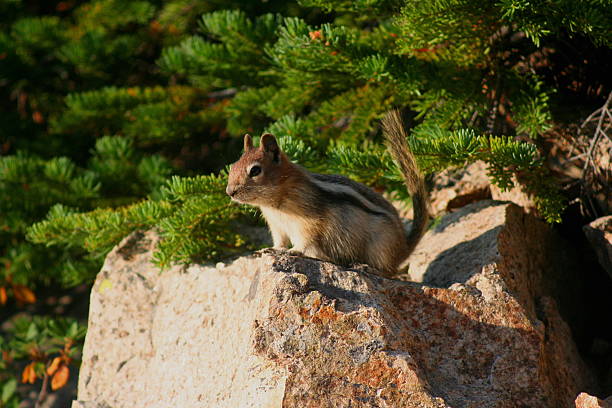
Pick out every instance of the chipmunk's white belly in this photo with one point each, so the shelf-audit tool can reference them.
(293, 226)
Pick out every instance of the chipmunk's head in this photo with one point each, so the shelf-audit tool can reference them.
(256, 177)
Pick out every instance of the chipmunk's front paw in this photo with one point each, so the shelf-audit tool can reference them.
(295, 252)
(280, 250)
(273, 250)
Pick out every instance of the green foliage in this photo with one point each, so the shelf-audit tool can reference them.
(39, 336)
(532, 115)
(115, 174)
(368, 7)
(236, 55)
(452, 30)
(97, 232)
(539, 19)
(9, 396)
(192, 213)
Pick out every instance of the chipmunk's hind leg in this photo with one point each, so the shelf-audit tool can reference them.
(279, 238)
(385, 248)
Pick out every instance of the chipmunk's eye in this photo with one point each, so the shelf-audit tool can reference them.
(255, 170)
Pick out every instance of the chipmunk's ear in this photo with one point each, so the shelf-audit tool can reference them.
(248, 142)
(269, 145)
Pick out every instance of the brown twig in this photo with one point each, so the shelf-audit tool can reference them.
(598, 132)
(42, 395)
(493, 112)
(591, 173)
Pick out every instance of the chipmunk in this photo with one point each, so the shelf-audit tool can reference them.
(331, 217)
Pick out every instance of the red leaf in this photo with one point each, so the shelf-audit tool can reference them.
(54, 365)
(315, 35)
(28, 375)
(60, 378)
(3, 296)
(24, 294)
(37, 117)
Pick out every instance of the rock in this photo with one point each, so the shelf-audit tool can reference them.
(585, 400)
(276, 330)
(452, 189)
(83, 404)
(455, 188)
(516, 195)
(599, 234)
(524, 252)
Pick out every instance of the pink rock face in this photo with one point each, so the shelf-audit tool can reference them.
(516, 195)
(453, 189)
(458, 187)
(275, 330)
(585, 400)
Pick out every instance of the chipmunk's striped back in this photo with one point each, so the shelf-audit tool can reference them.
(343, 189)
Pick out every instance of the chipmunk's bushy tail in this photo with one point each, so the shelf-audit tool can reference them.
(397, 143)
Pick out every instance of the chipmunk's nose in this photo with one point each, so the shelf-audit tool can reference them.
(230, 190)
